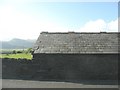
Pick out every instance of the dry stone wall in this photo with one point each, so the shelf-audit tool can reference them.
(62, 67)
(76, 67)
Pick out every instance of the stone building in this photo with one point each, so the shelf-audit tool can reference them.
(73, 56)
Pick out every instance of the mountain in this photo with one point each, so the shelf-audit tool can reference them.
(17, 44)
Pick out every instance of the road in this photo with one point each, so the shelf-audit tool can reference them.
(43, 84)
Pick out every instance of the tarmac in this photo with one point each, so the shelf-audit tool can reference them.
(9, 83)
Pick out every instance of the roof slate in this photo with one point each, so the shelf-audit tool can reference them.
(71, 42)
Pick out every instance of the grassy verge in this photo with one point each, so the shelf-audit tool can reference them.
(16, 56)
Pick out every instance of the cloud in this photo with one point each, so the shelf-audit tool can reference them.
(99, 26)
(113, 26)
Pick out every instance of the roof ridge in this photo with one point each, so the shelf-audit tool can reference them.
(69, 32)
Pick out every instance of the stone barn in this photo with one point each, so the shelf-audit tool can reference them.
(73, 56)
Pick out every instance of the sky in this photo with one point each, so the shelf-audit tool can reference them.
(26, 20)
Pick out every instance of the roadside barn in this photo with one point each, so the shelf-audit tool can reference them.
(73, 56)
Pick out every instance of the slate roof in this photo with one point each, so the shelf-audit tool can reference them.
(73, 42)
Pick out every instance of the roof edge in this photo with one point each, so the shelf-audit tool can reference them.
(79, 32)
(82, 53)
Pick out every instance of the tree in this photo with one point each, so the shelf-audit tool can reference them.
(29, 50)
(14, 52)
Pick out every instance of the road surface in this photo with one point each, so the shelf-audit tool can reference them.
(6, 83)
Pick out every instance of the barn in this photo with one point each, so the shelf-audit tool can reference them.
(76, 56)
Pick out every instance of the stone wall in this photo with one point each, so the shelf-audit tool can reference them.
(16, 69)
(63, 67)
(77, 67)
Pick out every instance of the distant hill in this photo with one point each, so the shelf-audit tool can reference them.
(17, 44)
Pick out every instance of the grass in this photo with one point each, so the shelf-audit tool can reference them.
(16, 56)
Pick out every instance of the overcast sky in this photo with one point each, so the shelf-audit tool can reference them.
(26, 20)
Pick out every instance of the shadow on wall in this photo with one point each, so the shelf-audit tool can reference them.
(93, 69)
